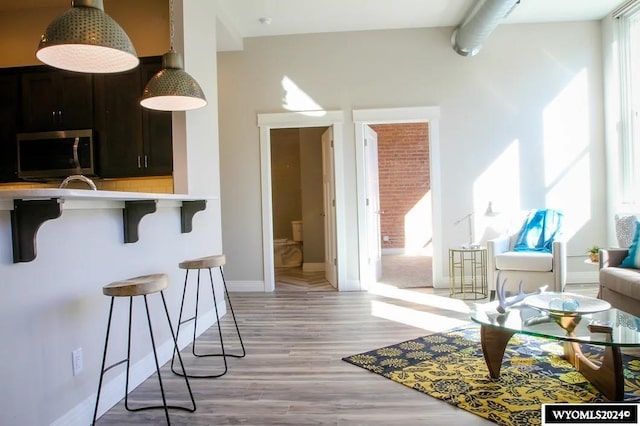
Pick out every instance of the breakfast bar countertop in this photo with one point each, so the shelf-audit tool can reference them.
(30, 208)
(86, 198)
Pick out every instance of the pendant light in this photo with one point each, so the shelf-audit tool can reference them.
(172, 88)
(86, 39)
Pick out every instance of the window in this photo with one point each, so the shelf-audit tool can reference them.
(628, 19)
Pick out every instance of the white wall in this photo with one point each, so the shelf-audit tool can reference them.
(55, 304)
(533, 94)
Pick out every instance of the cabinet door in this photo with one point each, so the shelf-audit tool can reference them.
(75, 100)
(118, 125)
(39, 101)
(133, 141)
(56, 100)
(156, 130)
(9, 101)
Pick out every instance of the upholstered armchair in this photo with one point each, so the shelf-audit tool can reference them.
(534, 268)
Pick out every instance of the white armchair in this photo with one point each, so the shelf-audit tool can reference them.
(533, 268)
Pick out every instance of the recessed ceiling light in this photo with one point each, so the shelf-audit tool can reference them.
(265, 20)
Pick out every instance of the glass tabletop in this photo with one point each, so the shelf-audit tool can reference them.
(526, 319)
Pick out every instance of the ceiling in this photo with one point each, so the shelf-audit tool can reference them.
(241, 18)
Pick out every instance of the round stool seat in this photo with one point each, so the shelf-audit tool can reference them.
(204, 262)
(138, 286)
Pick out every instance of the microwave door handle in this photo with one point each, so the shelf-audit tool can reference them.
(76, 160)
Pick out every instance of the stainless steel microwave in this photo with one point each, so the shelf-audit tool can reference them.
(55, 154)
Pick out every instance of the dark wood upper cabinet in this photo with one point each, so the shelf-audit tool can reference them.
(118, 128)
(56, 100)
(156, 128)
(9, 116)
(132, 141)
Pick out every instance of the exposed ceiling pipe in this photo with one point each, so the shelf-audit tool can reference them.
(483, 18)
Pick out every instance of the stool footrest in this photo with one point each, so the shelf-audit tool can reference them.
(115, 364)
(187, 320)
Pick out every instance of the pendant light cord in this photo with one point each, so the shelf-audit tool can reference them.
(171, 25)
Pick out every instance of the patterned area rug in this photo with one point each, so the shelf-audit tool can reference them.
(450, 366)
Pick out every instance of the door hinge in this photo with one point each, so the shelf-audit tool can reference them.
(333, 202)
(367, 201)
(366, 142)
(335, 261)
(331, 143)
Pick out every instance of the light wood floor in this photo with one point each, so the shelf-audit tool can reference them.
(293, 373)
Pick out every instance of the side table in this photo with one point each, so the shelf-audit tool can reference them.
(468, 273)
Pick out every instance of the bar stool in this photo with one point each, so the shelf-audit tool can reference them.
(216, 261)
(140, 286)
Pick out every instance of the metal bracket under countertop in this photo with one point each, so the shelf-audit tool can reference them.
(132, 214)
(26, 218)
(187, 211)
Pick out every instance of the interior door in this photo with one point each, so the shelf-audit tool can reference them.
(329, 201)
(374, 249)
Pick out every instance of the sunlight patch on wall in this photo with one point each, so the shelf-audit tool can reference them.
(297, 100)
(566, 128)
(499, 185)
(572, 195)
(425, 320)
(566, 159)
(418, 230)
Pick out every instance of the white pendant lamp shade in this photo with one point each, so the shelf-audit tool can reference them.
(172, 88)
(86, 39)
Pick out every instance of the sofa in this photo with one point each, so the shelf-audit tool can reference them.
(619, 286)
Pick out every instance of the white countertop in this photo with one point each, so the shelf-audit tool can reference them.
(86, 198)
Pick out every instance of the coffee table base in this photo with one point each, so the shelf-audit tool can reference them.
(607, 377)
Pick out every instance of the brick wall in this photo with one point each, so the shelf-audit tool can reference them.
(403, 162)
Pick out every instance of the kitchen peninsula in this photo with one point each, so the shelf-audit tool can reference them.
(31, 208)
(53, 302)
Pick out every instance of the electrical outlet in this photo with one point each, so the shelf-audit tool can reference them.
(76, 361)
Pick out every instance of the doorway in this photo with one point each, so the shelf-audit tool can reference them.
(407, 237)
(334, 155)
(302, 191)
(404, 225)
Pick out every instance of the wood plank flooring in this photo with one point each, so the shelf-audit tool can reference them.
(294, 279)
(293, 373)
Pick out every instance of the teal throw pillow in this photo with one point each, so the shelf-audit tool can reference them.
(633, 258)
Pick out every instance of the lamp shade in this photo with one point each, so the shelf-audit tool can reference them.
(172, 88)
(86, 39)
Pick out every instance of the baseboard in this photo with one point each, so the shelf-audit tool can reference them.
(245, 286)
(312, 267)
(111, 394)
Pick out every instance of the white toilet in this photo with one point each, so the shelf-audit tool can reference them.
(288, 253)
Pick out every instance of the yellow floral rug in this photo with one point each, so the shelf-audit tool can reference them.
(450, 366)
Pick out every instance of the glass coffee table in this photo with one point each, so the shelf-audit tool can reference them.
(586, 320)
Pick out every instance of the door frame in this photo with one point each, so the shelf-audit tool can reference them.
(372, 201)
(288, 120)
(430, 115)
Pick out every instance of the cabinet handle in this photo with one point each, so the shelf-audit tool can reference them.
(53, 117)
(146, 161)
(139, 165)
(60, 117)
